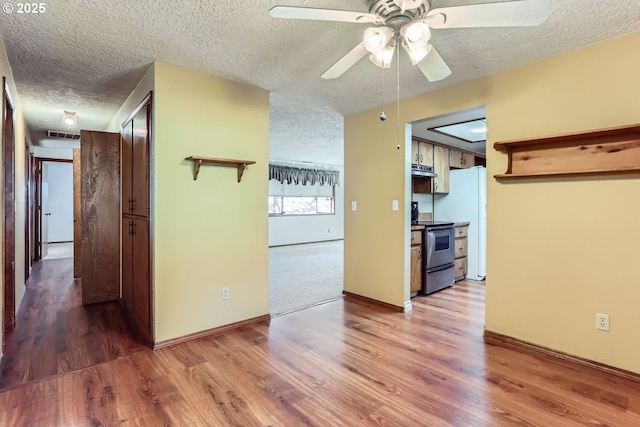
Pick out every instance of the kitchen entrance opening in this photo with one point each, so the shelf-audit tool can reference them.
(448, 188)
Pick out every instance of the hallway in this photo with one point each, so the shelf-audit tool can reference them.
(55, 334)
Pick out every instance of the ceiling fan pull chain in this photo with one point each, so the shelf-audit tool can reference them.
(398, 93)
(383, 116)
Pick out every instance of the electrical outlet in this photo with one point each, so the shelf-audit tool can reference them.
(602, 322)
(225, 293)
(354, 206)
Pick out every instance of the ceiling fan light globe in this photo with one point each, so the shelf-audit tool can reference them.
(376, 38)
(413, 33)
(416, 34)
(383, 58)
(407, 4)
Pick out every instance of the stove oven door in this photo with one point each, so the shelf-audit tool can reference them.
(440, 247)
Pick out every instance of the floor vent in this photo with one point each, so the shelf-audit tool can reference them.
(62, 135)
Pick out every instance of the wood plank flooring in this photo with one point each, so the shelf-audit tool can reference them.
(55, 334)
(343, 363)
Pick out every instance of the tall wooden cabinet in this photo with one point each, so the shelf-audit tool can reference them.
(136, 251)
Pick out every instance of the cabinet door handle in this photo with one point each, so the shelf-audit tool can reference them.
(421, 158)
(131, 228)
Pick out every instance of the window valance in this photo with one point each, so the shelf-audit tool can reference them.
(297, 175)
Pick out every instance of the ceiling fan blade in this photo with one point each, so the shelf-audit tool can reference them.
(433, 66)
(503, 14)
(293, 12)
(346, 62)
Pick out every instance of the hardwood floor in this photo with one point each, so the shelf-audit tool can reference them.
(344, 363)
(55, 334)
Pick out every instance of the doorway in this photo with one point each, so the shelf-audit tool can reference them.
(8, 198)
(56, 199)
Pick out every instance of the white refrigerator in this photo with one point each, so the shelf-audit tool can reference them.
(467, 202)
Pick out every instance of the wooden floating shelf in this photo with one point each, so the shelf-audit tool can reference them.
(212, 161)
(610, 150)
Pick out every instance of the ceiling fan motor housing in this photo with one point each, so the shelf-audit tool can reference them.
(393, 15)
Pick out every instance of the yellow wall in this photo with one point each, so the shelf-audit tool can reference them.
(20, 138)
(559, 249)
(211, 232)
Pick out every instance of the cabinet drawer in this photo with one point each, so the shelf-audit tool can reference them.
(416, 238)
(462, 231)
(461, 248)
(460, 268)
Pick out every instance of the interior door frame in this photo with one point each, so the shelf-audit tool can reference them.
(37, 215)
(8, 203)
(28, 185)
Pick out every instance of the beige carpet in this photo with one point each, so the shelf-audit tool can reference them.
(304, 275)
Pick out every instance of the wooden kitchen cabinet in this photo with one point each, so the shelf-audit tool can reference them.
(441, 167)
(460, 267)
(135, 163)
(440, 162)
(459, 159)
(421, 153)
(136, 276)
(416, 261)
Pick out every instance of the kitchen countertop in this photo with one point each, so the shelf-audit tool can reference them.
(461, 224)
(422, 224)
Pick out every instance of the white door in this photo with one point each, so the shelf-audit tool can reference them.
(60, 202)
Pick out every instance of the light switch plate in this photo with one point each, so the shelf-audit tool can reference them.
(394, 205)
(354, 206)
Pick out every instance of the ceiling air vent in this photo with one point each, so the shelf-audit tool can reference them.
(62, 135)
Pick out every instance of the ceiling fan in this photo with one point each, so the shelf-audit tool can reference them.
(409, 22)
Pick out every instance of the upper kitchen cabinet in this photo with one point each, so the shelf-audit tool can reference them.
(441, 167)
(421, 153)
(459, 159)
(436, 157)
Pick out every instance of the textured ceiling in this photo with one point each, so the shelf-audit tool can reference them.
(88, 55)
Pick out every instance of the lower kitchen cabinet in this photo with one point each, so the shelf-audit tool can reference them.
(460, 266)
(416, 261)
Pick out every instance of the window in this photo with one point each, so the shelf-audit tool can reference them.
(291, 199)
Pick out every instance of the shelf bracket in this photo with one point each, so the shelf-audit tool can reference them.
(196, 168)
(241, 167)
